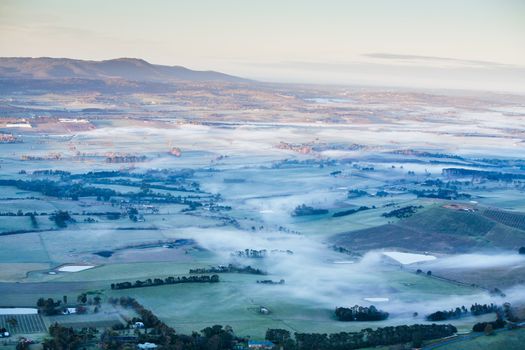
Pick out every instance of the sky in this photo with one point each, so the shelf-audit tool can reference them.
(424, 43)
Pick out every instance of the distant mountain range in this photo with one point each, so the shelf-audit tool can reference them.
(128, 69)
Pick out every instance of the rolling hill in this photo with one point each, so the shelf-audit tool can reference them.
(128, 69)
(439, 229)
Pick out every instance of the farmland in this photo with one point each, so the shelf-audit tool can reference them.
(25, 324)
(442, 230)
(82, 210)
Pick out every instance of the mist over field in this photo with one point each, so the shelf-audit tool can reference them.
(274, 175)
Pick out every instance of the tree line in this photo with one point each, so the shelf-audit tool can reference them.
(475, 309)
(50, 307)
(351, 211)
(229, 269)
(365, 338)
(482, 174)
(168, 280)
(304, 210)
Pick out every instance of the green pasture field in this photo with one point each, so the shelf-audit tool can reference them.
(23, 248)
(503, 198)
(13, 272)
(236, 300)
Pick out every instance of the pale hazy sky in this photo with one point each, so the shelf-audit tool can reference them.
(441, 43)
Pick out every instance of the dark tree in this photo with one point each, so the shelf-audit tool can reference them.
(277, 336)
(359, 313)
(417, 339)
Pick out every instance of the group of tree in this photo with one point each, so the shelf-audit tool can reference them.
(250, 253)
(61, 218)
(304, 210)
(355, 193)
(77, 186)
(475, 309)
(360, 313)
(230, 268)
(51, 172)
(168, 280)
(60, 189)
(481, 174)
(442, 193)
(351, 211)
(426, 154)
(66, 338)
(404, 212)
(482, 326)
(133, 214)
(419, 271)
(270, 282)
(125, 158)
(365, 338)
(50, 307)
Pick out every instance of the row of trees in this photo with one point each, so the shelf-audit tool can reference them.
(270, 282)
(304, 210)
(481, 174)
(360, 313)
(250, 253)
(60, 189)
(168, 280)
(229, 269)
(475, 309)
(365, 338)
(51, 307)
(20, 213)
(49, 172)
(442, 193)
(351, 211)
